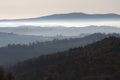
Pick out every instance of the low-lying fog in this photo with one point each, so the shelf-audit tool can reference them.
(56, 23)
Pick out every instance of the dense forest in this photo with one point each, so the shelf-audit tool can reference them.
(14, 53)
(5, 75)
(97, 61)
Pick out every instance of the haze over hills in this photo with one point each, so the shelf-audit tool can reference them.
(28, 38)
(72, 16)
(14, 53)
(29, 34)
(59, 39)
(59, 30)
(11, 38)
(68, 19)
(97, 61)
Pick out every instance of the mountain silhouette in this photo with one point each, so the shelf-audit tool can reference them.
(72, 16)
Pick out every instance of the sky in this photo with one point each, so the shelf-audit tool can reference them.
(13, 9)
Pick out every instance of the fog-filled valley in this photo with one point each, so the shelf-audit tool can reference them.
(69, 46)
(77, 23)
(30, 34)
(59, 30)
(67, 20)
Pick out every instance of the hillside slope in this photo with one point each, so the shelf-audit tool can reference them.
(97, 61)
(15, 53)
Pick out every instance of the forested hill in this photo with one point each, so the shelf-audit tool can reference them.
(5, 75)
(97, 61)
(11, 38)
(15, 53)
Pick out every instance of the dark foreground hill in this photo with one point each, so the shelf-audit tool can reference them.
(97, 61)
(14, 53)
(5, 75)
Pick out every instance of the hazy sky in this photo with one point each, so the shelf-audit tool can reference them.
(32, 8)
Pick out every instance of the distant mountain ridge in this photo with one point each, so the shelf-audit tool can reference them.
(79, 16)
(71, 16)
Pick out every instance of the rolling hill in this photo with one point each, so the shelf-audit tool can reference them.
(12, 38)
(97, 61)
(14, 53)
